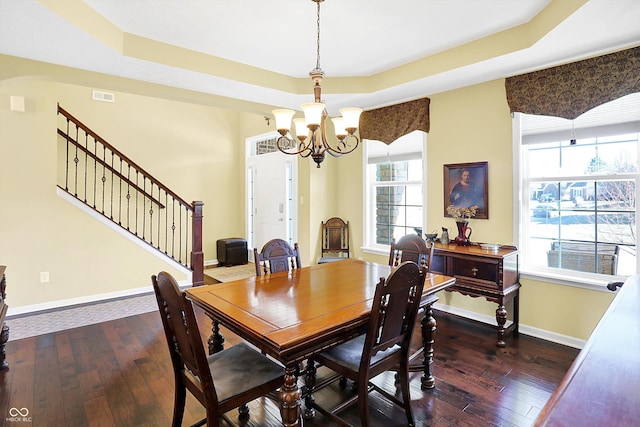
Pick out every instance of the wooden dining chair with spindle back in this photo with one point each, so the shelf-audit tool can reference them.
(335, 240)
(241, 373)
(276, 255)
(412, 248)
(384, 346)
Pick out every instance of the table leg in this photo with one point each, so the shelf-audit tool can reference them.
(428, 326)
(290, 397)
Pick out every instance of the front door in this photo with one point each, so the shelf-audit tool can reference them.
(271, 185)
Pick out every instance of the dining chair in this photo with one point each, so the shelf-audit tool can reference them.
(412, 248)
(383, 347)
(276, 255)
(335, 240)
(241, 373)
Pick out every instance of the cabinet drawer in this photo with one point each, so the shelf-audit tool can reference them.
(479, 270)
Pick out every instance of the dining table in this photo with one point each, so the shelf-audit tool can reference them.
(292, 315)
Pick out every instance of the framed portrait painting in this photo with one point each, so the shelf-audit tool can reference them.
(466, 185)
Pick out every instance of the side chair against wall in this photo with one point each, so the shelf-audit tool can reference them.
(241, 373)
(276, 255)
(384, 347)
(335, 240)
(412, 248)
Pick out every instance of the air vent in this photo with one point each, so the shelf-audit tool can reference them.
(103, 96)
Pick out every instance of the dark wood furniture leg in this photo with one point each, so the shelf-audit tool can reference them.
(428, 381)
(501, 317)
(4, 329)
(216, 339)
(290, 398)
(428, 330)
(4, 337)
(309, 387)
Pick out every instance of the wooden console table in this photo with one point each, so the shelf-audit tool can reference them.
(493, 275)
(4, 329)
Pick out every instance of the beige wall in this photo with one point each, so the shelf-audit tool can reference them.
(196, 150)
(194, 147)
(469, 125)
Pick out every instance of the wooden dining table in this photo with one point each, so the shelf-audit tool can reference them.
(295, 314)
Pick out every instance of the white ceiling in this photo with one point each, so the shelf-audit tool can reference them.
(376, 49)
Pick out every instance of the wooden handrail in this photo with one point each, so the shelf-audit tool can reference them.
(167, 232)
(110, 168)
(120, 154)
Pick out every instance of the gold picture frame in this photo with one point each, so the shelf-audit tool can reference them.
(467, 185)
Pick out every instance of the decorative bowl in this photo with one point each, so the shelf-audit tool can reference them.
(490, 247)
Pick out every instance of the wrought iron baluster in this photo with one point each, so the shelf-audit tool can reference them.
(120, 197)
(95, 170)
(111, 187)
(66, 175)
(86, 165)
(128, 197)
(137, 198)
(75, 160)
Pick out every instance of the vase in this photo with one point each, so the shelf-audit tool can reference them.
(464, 232)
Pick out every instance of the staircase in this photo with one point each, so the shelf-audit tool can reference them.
(111, 184)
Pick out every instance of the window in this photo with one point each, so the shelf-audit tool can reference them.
(394, 197)
(578, 182)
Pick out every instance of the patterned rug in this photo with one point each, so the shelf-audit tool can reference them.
(73, 317)
(229, 274)
(88, 314)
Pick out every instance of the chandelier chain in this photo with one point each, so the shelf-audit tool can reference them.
(318, 39)
(311, 131)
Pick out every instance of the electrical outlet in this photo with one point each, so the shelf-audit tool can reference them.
(44, 277)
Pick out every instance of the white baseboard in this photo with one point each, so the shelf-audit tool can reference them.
(121, 231)
(61, 304)
(523, 329)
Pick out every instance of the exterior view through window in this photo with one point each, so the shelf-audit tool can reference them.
(579, 190)
(394, 198)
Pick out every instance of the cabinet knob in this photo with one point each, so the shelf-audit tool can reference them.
(474, 271)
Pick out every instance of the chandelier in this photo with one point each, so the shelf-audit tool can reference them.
(313, 126)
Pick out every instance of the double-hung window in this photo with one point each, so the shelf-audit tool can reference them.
(578, 185)
(394, 190)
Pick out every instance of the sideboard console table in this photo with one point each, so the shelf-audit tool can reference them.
(492, 274)
(4, 329)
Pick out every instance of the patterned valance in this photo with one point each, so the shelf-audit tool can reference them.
(387, 124)
(572, 89)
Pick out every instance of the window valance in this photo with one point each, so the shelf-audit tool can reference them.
(572, 89)
(387, 124)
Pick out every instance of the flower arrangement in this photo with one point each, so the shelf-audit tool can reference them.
(461, 214)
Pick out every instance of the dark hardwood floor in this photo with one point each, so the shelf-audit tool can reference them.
(118, 373)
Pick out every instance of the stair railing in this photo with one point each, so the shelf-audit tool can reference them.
(110, 183)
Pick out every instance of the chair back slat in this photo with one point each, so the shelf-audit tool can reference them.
(181, 330)
(276, 255)
(335, 236)
(412, 248)
(394, 310)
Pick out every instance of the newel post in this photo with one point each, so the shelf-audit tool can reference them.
(197, 256)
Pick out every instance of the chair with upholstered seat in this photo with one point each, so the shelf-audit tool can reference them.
(335, 240)
(384, 347)
(412, 248)
(241, 373)
(276, 255)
